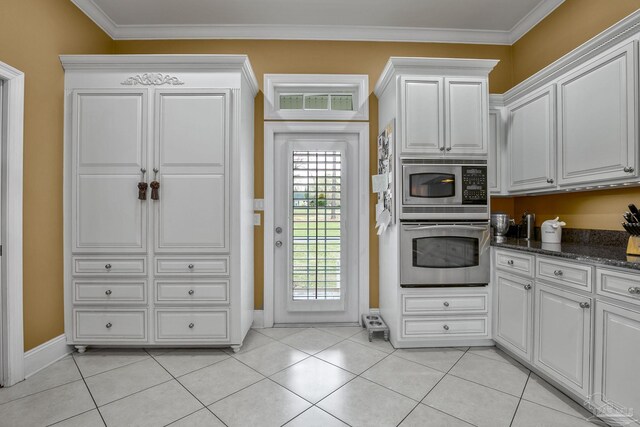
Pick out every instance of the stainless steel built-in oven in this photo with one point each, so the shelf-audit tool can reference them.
(444, 254)
(435, 189)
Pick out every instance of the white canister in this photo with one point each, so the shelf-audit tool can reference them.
(551, 230)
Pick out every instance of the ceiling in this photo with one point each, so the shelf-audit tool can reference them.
(449, 21)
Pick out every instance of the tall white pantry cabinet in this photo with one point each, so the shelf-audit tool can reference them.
(174, 266)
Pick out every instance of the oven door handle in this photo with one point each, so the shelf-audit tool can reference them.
(444, 227)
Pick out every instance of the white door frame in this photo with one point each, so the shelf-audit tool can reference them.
(270, 130)
(11, 280)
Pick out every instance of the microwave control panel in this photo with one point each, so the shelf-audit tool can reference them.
(474, 185)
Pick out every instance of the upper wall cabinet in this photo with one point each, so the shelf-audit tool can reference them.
(440, 105)
(496, 148)
(598, 118)
(531, 141)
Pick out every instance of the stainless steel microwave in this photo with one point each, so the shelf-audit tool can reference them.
(434, 190)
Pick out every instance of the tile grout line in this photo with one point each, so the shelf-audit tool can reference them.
(89, 391)
(108, 370)
(73, 416)
(513, 418)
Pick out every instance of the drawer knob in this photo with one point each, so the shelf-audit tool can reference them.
(634, 290)
(108, 292)
(557, 273)
(550, 181)
(191, 325)
(446, 303)
(527, 287)
(190, 266)
(108, 266)
(109, 325)
(191, 291)
(446, 327)
(510, 262)
(585, 305)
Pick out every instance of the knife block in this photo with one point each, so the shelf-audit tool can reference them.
(633, 247)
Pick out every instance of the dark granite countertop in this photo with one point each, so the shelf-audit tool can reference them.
(613, 255)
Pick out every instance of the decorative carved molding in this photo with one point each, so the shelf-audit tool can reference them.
(152, 79)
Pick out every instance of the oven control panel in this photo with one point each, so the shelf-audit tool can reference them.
(474, 185)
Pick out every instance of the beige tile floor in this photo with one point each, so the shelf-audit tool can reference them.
(295, 377)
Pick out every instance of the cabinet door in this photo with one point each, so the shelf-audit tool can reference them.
(109, 146)
(495, 151)
(597, 120)
(617, 380)
(513, 313)
(562, 336)
(423, 112)
(531, 142)
(191, 153)
(466, 107)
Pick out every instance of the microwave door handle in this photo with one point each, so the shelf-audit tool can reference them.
(443, 227)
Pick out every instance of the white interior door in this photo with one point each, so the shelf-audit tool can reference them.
(316, 229)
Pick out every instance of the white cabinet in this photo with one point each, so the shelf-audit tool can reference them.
(513, 302)
(496, 148)
(532, 141)
(563, 337)
(617, 379)
(159, 270)
(423, 107)
(597, 119)
(466, 116)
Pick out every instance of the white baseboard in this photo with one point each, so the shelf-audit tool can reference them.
(45, 354)
(258, 319)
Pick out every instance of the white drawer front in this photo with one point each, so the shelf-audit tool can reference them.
(443, 327)
(125, 266)
(192, 325)
(515, 262)
(109, 292)
(573, 275)
(110, 325)
(433, 304)
(193, 265)
(193, 291)
(618, 284)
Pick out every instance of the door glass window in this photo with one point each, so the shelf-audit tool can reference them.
(446, 252)
(432, 185)
(317, 223)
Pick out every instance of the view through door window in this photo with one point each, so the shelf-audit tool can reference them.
(316, 244)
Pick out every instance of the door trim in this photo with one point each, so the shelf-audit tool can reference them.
(270, 130)
(11, 282)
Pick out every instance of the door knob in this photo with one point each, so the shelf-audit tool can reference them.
(527, 287)
(278, 244)
(278, 230)
(448, 148)
(441, 148)
(550, 180)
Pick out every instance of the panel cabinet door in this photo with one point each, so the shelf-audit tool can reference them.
(466, 107)
(562, 337)
(532, 141)
(513, 313)
(617, 379)
(597, 119)
(191, 155)
(422, 104)
(496, 148)
(109, 147)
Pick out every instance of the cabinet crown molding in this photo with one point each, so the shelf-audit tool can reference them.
(433, 66)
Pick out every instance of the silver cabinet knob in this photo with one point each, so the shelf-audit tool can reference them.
(278, 244)
(585, 305)
(634, 290)
(446, 327)
(190, 266)
(191, 291)
(108, 266)
(191, 325)
(527, 287)
(278, 230)
(108, 292)
(510, 262)
(446, 303)
(628, 169)
(448, 148)
(441, 148)
(109, 325)
(557, 273)
(550, 181)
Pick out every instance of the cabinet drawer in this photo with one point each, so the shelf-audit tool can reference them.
(618, 285)
(110, 325)
(193, 291)
(515, 262)
(193, 265)
(573, 275)
(192, 325)
(435, 304)
(125, 266)
(109, 292)
(444, 326)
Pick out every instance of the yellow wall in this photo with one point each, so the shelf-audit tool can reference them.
(32, 35)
